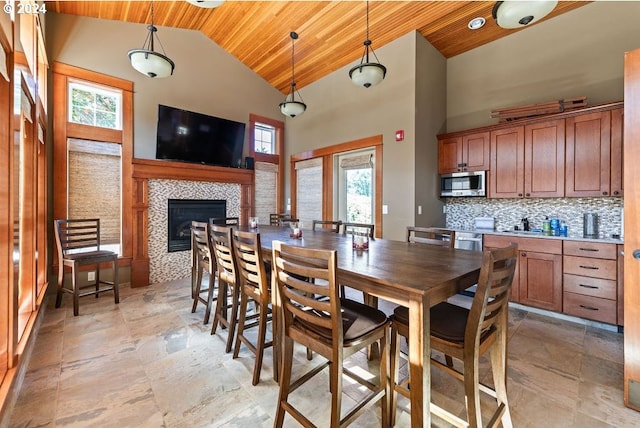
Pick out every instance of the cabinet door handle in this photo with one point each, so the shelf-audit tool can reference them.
(524, 254)
(528, 194)
(589, 267)
(604, 193)
(519, 195)
(615, 192)
(589, 308)
(588, 286)
(595, 250)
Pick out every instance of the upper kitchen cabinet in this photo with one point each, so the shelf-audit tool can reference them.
(588, 154)
(463, 153)
(527, 161)
(506, 172)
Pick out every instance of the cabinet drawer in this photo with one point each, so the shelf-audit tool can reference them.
(596, 287)
(590, 249)
(540, 245)
(594, 308)
(596, 268)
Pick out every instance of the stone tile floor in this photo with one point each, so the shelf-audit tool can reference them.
(150, 362)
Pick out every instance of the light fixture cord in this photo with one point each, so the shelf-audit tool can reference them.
(152, 28)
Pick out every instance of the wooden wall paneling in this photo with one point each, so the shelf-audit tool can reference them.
(632, 230)
(42, 261)
(617, 153)
(140, 234)
(126, 156)
(6, 207)
(327, 188)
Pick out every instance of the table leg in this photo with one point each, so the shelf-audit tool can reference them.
(419, 361)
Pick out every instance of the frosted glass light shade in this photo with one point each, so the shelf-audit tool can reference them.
(517, 14)
(151, 63)
(368, 74)
(292, 108)
(206, 4)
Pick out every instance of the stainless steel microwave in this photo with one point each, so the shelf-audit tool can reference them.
(459, 184)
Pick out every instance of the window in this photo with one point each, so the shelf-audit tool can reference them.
(355, 196)
(264, 138)
(95, 106)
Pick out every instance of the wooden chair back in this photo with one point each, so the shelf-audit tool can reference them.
(326, 225)
(488, 311)
(349, 228)
(77, 235)
(252, 273)
(307, 285)
(431, 235)
(201, 246)
(222, 246)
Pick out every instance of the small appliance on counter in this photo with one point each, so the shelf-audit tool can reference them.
(484, 224)
(590, 225)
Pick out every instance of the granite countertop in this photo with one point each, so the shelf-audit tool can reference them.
(522, 234)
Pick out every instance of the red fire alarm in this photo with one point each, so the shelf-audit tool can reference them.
(400, 135)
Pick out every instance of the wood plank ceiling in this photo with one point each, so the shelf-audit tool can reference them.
(331, 32)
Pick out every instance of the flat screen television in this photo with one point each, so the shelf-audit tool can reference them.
(187, 136)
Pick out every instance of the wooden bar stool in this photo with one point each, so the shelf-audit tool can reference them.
(468, 334)
(255, 287)
(332, 327)
(228, 283)
(78, 244)
(203, 261)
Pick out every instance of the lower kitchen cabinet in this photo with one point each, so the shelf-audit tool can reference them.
(538, 278)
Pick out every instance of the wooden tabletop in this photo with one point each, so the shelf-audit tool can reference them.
(390, 269)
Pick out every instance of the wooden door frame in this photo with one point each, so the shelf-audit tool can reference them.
(327, 154)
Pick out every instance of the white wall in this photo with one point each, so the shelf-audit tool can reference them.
(206, 79)
(338, 112)
(579, 53)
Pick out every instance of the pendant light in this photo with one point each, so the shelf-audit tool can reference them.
(290, 107)
(367, 73)
(146, 60)
(517, 14)
(206, 4)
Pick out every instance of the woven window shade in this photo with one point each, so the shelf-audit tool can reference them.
(357, 162)
(3, 64)
(266, 191)
(309, 191)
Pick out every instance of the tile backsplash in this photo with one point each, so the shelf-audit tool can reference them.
(460, 212)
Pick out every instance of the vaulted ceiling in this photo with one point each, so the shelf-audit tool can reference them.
(331, 33)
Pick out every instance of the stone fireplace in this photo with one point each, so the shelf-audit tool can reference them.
(157, 182)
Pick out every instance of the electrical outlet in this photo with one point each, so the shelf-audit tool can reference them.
(91, 276)
(419, 209)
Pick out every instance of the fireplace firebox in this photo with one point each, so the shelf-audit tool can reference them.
(183, 211)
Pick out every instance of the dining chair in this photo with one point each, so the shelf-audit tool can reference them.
(467, 335)
(431, 235)
(203, 260)
(348, 228)
(334, 328)
(254, 287)
(326, 225)
(78, 245)
(225, 221)
(228, 282)
(281, 219)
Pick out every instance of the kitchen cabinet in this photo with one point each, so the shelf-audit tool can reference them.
(528, 161)
(464, 153)
(590, 280)
(588, 169)
(538, 280)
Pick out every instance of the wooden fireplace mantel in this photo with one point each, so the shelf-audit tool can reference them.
(146, 169)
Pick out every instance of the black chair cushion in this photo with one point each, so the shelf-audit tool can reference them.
(448, 322)
(357, 320)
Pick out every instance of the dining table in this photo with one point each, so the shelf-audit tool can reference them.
(415, 275)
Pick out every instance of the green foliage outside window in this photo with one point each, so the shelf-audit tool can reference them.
(93, 107)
